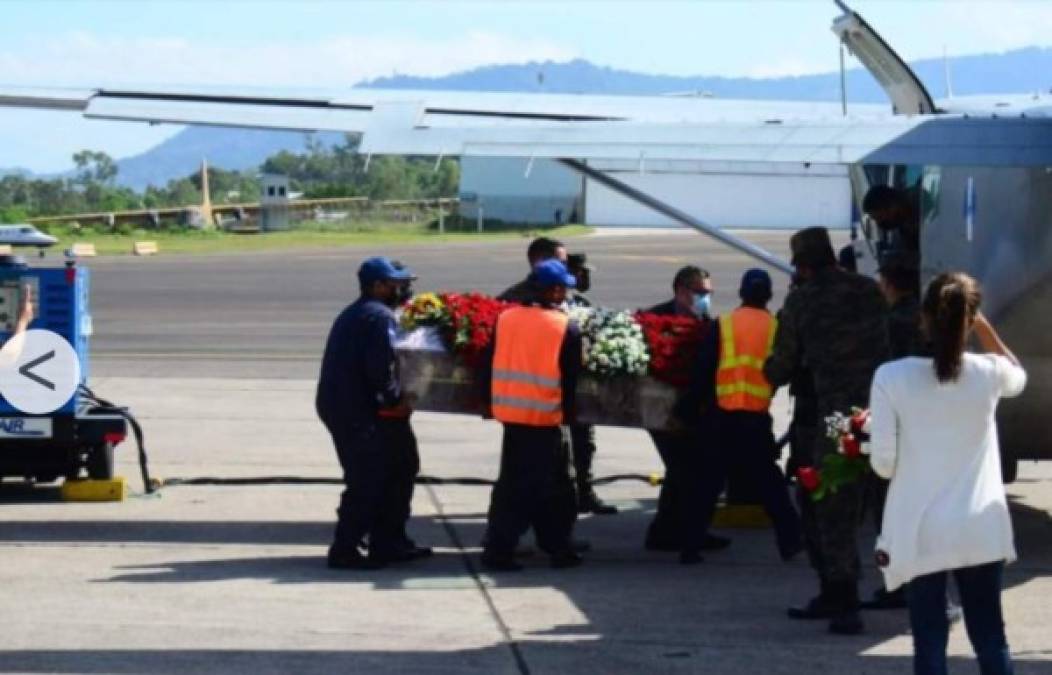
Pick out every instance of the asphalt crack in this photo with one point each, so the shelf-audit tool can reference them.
(472, 569)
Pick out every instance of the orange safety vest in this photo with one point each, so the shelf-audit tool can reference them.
(746, 340)
(527, 380)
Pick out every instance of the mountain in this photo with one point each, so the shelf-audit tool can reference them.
(1019, 71)
(226, 148)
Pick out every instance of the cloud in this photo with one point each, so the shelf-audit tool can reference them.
(998, 26)
(84, 59)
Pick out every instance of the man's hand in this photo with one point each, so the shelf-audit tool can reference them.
(25, 310)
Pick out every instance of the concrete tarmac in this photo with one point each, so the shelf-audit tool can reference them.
(217, 354)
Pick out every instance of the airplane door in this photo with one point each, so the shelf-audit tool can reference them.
(907, 93)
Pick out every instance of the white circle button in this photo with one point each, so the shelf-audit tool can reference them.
(39, 371)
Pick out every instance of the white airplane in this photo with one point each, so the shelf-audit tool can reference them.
(25, 235)
(978, 168)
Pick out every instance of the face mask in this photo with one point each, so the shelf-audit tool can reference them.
(702, 304)
(403, 294)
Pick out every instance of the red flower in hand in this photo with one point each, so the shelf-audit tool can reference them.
(851, 446)
(858, 423)
(809, 478)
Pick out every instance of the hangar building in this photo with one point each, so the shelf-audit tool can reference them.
(728, 194)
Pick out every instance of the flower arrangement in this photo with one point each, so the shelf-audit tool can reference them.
(614, 343)
(472, 323)
(425, 309)
(849, 463)
(674, 342)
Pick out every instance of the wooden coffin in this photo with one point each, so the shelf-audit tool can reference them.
(440, 383)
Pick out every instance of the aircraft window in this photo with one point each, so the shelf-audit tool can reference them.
(876, 174)
(929, 194)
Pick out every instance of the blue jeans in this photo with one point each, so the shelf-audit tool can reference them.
(980, 590)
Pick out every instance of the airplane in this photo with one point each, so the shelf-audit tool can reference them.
(979, 169)
(24, 234)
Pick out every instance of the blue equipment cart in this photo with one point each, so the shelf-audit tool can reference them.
(80, 436)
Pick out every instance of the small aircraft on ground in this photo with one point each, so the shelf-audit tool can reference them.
(25, 234)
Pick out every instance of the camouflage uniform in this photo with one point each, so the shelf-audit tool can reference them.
(835, 325)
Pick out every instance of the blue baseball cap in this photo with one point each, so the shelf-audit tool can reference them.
(382, 269)
(756, 282)
(552, 273)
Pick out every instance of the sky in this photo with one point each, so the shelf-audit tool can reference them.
(323, 44)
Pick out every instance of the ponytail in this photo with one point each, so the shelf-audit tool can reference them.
(950, 305)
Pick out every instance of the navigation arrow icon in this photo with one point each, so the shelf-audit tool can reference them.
(25, 370)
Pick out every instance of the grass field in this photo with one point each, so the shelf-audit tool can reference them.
(305, 236)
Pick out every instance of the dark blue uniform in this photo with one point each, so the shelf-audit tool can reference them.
(359, 375)
(688, 495)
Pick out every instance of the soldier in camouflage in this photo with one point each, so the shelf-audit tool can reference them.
(833, 323)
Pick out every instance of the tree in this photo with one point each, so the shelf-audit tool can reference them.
(94, 167)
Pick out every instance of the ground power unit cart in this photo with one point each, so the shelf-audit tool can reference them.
(79, 436)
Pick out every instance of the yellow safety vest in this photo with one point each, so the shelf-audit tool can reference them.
(746, 340)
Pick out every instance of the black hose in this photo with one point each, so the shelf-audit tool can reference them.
(103, 406)
(420, 480)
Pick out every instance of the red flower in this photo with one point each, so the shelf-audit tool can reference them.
(851, 446)
(473, 321)
(858, 422)
(674, 342)
(809, 478)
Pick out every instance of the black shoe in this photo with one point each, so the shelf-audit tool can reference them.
(790, 551)
(576, 545)
(661, 545)
(846, 622)
(499, 563)
(819, 607)
(882, 599)
(417, 551)
(690, 558)
(352, 560)
(713, 542)
(591, 503)
(565, 560)
(404, 554)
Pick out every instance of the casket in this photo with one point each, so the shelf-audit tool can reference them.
(437, 381)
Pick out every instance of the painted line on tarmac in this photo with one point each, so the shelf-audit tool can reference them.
(469, 564)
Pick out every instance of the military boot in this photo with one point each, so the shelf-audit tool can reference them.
(820, 607)
(846, 619)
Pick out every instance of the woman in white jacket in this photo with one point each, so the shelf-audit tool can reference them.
(934, 435)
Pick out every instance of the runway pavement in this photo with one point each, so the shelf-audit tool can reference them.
(232, 579)
(267, 314)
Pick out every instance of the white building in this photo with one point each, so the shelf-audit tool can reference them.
(727, 194)
(512, 190)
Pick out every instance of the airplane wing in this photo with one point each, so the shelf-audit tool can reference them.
(354, 110)
(579, 127)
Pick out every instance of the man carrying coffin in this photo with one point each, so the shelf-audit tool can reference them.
(533, 376)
